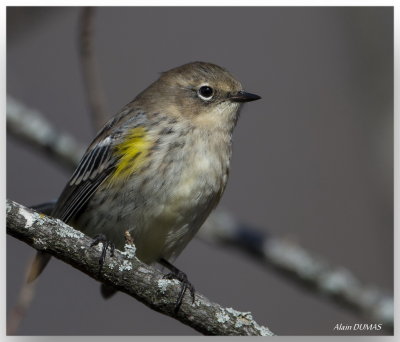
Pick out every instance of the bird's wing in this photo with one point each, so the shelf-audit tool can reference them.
(116, 151)
(95, 166)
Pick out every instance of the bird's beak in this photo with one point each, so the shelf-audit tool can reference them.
(242, 96)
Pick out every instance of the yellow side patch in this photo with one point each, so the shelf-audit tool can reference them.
(132, 153)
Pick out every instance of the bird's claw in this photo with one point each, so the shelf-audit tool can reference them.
(182, 277)
(106, 244)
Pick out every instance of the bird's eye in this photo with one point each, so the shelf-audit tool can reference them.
(206, 93)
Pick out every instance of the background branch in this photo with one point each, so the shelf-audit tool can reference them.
(145, 283)
(30, 126)
(336, 283)
(94, 90)
(24, 301)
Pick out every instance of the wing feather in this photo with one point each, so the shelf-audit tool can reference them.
(99, 161)
(95, 166)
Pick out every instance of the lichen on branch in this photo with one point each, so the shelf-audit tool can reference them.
(126, 273)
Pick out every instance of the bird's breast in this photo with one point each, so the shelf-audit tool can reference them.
(202, 174)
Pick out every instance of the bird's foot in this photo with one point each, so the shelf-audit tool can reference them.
(106, 244)
(182, 277)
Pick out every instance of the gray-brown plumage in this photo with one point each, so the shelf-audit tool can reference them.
(159, 167)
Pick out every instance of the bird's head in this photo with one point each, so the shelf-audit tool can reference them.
(203, 93)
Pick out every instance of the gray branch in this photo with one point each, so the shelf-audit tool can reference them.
(333, 282)
(126, 273)
(337, 283)
(94, 90)
(30, 126)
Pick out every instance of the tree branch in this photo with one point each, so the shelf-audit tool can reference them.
(94, 91)
(336, 283)
(30, 126)
(126, 273)
(25, 296)
(333, 282)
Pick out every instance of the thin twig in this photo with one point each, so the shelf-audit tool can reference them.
(24, 300)
(91, 78)
(126, 273)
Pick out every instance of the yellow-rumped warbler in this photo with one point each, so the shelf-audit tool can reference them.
(158, 167)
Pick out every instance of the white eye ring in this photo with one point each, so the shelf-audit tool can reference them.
(205, 92)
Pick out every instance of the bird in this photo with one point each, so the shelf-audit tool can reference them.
(157, 168)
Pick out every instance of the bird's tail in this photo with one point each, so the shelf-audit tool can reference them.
(38, 265)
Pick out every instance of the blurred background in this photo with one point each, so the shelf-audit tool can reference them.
(312, 161)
